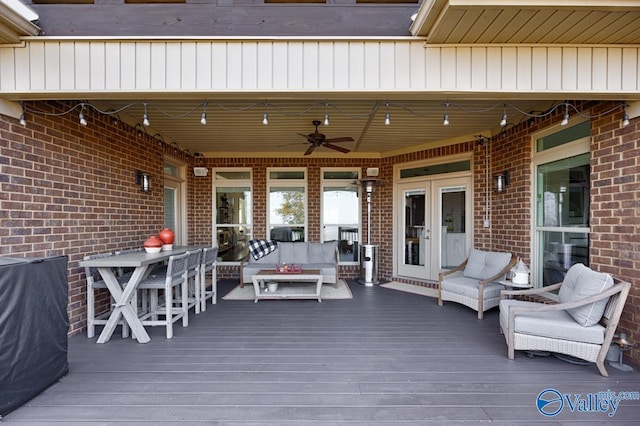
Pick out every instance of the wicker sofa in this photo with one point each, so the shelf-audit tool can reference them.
(322, 256)
(581, 325)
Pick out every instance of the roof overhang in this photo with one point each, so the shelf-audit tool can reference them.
(16, 21)
(528, 22)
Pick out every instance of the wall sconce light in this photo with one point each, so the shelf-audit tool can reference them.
(143, 180)
(501, 181)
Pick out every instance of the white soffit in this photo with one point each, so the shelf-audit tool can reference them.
(528, 22)
(16, 20)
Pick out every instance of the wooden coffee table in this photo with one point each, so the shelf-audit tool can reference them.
(289, 285)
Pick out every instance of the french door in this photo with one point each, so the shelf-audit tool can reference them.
(433, 226)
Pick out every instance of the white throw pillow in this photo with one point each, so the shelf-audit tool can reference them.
(582, 282)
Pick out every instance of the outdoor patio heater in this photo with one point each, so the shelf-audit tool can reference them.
(369, 252)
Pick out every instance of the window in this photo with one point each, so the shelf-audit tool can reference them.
(341, 211)
(232, 212)
(436, 169)
(175, 203)
(287, 204)
(562, 190)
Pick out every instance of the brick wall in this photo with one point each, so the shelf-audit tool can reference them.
(615, 208)
(70, 190)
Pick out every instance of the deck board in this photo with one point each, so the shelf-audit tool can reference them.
(384, 357)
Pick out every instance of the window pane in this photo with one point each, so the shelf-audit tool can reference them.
(297, 174)
(232, 242)
(563, 192)
(234, 205)
(171, 170)
(233, 213)
(340, 174)
(436, 169)
(287, 206)
(562, 202)
(340, 215)
(227, 175)
(561, 250)
(567, 135)
(287, 233)
(170, 203)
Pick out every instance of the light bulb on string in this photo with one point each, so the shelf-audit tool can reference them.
(565, 119)
(503, 122)
(625, 117)
(445, 121)
(145, 116)
(387, 116)
(203, 117)
(326, 114)
(23, 120)
(265, 116)
(81, 118)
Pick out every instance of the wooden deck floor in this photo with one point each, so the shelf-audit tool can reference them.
(383, 358)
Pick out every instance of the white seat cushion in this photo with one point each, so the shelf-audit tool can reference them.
(468, 287)
(552, 324)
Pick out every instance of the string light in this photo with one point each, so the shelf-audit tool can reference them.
(23, 120)
(81, 118)
(145, 116)
(326, 114)
(387, 121)
(387, 116)
(565, 119)
(445, 121)
(203, 117)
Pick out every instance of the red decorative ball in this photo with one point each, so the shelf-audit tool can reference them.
(167, 236)
(153, 241)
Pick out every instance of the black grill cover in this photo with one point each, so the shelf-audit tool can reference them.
(33, 327)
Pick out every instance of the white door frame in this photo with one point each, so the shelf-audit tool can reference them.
(432, 185)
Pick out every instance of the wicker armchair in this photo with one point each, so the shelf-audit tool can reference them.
(581, 326)
(473, 283)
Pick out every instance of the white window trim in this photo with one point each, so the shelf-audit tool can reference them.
(570, 149)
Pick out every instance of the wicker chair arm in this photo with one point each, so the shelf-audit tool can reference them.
(617, 288)
(451, 271)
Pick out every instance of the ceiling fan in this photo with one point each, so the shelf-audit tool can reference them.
(317, 139)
